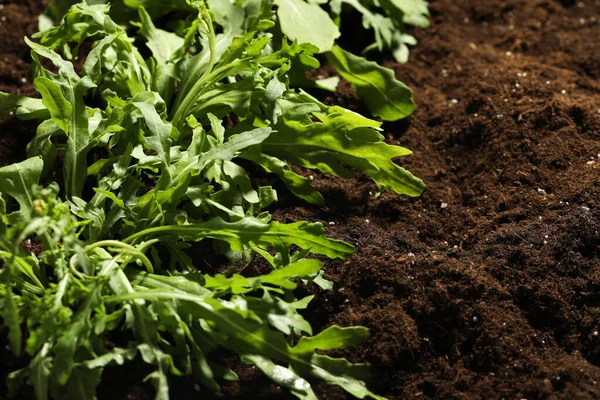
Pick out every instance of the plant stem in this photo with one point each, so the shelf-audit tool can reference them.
(130, 249)
(182, 110)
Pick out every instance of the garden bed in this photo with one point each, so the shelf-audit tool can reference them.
(488, 286)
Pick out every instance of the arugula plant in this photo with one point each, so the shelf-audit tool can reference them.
(148, 140)
(305, 21)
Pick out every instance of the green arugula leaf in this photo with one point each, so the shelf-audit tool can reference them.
(282, 376)
(414, 12)
(17, 181)
(385, 96)
(343, 136)
(297, 184)
(307, 23)
(62, 94)
(251, 230)
(164, 46)
(388, 20)
(27, 107)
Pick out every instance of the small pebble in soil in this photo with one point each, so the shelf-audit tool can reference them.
(367, 221)
(444, 205)
(508, 53)
(24, 80)
(1, 7)
(595, 333)
(3, 18)
(475, 319)
(585, 208)
(331, 223)
(454, 101)
(541, 191)
(499, 116)
(311, 177)
(563, 91)
(590, 162)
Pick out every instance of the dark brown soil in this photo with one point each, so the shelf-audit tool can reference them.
(488, 286)
(17, 20)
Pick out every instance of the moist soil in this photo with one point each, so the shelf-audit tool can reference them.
(488, 285)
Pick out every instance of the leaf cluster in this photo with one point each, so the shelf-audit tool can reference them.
(317, 21)
(146, 139)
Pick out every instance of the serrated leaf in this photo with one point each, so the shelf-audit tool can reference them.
(74, 118)
(17, 181)
(385, 96)
(251, 230)
(331, 338)
(297, 184)
(343, 136)
(282, 276)
(52, 97)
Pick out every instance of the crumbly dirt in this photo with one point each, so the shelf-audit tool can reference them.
(488, 286)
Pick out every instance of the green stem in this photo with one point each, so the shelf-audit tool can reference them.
(149, 231)
(188, 101)
(132, 249)
(129, 250)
